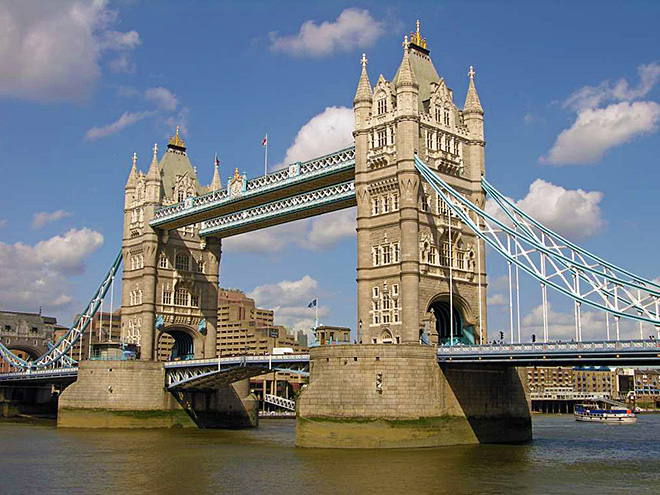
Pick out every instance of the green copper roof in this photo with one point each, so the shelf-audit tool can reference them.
(424, 70)
(173, 164)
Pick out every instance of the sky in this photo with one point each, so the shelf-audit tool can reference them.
(570, 93)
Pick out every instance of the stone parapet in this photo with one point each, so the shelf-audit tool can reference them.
(389, 396)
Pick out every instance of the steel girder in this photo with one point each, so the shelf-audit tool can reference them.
(56, 355)
(549, 258)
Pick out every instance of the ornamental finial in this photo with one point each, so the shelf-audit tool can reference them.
(471, 73)
(156, 150)
(134, 159)
(416, 37)
(176, 140)
(405, 43)
(364, 60)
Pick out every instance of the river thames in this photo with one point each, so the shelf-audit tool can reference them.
(565, 458)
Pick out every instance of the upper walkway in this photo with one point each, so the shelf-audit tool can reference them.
(242, 194)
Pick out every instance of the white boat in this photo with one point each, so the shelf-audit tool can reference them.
(612, 412)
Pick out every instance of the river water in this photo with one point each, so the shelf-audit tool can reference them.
(565, 458)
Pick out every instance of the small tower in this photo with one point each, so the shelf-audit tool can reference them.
(216, 183)
(473, 115)
(405, 247)
(170, 279)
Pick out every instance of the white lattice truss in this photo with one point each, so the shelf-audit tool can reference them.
(280, 402)
(297, 172)
(552, 260)
(179, 373)
(293, 204)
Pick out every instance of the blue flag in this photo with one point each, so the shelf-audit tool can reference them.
(313, 303)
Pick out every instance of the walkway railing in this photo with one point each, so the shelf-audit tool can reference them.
(297, 173)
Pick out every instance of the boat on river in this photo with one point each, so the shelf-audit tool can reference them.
(605, 411)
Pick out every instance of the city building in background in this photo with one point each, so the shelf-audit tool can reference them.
(26, 334)
(327, 335)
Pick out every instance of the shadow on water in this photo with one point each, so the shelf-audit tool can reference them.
(565, 457)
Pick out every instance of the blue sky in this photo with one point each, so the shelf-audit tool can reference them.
(569, 89)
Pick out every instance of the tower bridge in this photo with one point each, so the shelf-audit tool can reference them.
(422, 373)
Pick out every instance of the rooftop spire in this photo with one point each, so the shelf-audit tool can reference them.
(406, 75)
(363, 93)
(132, 176)
(176, 143)
(472, 103)
(153, 168)
(416, 37)
(216, 183)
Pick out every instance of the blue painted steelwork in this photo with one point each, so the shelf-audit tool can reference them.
(603, 287)
(56, 355)
(44, 374)
(339, 163)
(294, 207)
(621, 353)
(186, 373)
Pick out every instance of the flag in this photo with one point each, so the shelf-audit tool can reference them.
(264, 141)
(313, 303)
(217, 161)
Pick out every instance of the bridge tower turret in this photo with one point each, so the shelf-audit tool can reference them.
(406, 256)
(170, 280)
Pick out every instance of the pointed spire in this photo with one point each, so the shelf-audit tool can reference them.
(153, 168)
(472, 103)
(406, 75)
(216, 183)
(363, 93)
(132, 176)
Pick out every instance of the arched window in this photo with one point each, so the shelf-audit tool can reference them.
(182, 262)
(181, 196)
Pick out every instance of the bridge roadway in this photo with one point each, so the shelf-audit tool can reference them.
(205, 374)
(302, 190)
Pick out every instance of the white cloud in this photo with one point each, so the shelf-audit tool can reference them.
(127, 119)
(43, 217)
(593, 96)
(3, 222)
(52, 50)
(597, 129)
(181, 119)
(162, 97)
(573, 213)
(331, 228)
(289, 299)
(37, 275)
(561, 326)
(353, 29)
(326, 132)
(497, 300)
(316, 234)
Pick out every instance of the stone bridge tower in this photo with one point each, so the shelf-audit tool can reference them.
(170, 281)
(406, 256)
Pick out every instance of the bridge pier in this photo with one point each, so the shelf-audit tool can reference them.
(392, 396)
(132, 394)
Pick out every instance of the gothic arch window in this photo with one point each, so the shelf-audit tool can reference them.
(386, 337)
(381, 106)
(181, 196)
(182, 262)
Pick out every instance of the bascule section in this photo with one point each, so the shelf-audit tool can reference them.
(421, 273)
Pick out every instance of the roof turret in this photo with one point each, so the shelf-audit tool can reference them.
(363, 93)
(472, 103)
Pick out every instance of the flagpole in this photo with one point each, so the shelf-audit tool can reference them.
(266, 157)
(317, 312)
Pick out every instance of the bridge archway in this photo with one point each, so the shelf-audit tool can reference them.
(444, 317)
(179, 343)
